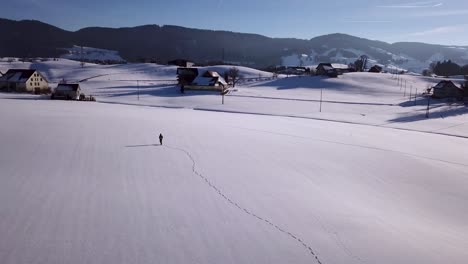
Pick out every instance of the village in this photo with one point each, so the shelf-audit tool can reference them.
(190, 77)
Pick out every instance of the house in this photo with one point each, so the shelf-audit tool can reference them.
(343, 68)
(322, 68)
(465, 87)
(376, 69)
(326, 69)
(181, 63)
(447, 89)
(209, 80)
(68, 91)
(23, 80)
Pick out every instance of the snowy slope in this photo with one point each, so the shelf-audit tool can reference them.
(85, 183)
(72, 70)
(92, 54)
(364, 98)
(381, 56)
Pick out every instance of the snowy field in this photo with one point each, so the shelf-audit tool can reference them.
(87, 183)
(84, 182)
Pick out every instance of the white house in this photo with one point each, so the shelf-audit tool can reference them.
(23, 80)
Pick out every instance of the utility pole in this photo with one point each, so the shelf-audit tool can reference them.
(415, 96)
(224, 91)
(81, 57)
(428, 105)
(321, 96)
(405, 89)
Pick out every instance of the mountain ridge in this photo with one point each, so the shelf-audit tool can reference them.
(166, 42)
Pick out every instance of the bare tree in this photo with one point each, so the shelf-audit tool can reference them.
(234, 75)
(361, 63)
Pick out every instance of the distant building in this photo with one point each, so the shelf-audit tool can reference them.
(376, 69)
(343, 68)
(68, 91)
(181, 63)
(323, 68)
(209, 80)
(23, 80)
(447, 89)
(326, 69)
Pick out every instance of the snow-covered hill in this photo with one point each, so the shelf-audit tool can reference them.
(341, 48)
(89, 54)
(400, 61)
(365, 98)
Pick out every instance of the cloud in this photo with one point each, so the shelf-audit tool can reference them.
(367, 21)
(441, 13)
(414, 5)
(440, 31)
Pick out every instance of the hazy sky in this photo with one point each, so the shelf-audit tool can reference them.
(441, 22)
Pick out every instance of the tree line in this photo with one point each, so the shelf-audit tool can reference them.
(446, 68)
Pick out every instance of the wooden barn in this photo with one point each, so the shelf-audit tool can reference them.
(67, 91)
(376, 69)
(447, 89)
(326, 69)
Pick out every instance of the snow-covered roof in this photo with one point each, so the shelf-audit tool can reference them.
(211, 74)
(17, 75)
(209, 78)
(340, 66)
(203, 81)
(67, 87)
(209, 81)
(444, 84)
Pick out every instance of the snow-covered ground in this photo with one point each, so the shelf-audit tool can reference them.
(87, 183)
(264, 178)
(92, 54)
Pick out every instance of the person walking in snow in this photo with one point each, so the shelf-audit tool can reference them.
(160, 138)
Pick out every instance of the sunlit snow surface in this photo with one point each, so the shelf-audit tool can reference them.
(85, 182)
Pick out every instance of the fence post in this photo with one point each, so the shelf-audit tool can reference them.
(428, 105)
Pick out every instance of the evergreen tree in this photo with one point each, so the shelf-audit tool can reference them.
(447, 68)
